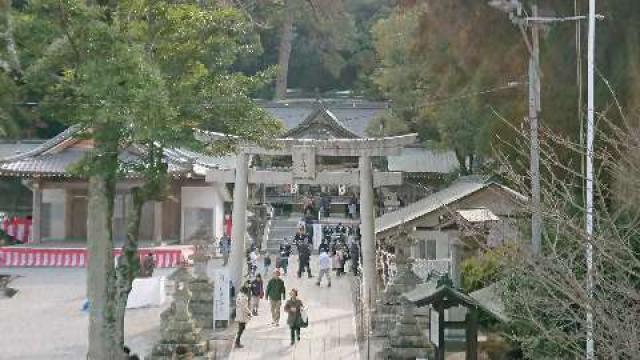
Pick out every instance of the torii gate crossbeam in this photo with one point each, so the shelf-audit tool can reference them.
(304, 152)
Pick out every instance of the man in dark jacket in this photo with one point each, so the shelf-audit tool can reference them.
(298, 238)
(275, 294)
(354, 253)
(285, 252)
(304, 254)
(324, 246)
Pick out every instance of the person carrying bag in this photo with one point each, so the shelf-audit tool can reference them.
(294, 308)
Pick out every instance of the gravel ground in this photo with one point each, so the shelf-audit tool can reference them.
(44, 319)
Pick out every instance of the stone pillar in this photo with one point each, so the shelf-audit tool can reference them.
(404, 281)
(407, 340)
(201, 304)
(157, 222)
(177, 326)
(36, 215)
(239, 219)
(367, 231)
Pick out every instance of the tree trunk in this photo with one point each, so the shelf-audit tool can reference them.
(284, 53)
(462, 161)
(128, 265)
(100, 271)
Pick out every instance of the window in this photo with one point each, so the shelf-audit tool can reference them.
(422, 250)
(430, 249)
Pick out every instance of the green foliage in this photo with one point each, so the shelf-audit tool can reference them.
(482, 270)
(332, 46)
(431, 70)
(386, 124)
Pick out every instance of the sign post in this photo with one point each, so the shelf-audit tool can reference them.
(221, 296)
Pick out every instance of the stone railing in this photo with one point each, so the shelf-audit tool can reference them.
(424, 267)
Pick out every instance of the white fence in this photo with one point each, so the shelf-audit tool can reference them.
(424, 267)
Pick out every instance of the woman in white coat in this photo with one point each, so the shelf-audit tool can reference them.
(243, 313)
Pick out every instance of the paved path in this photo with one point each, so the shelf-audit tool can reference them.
(331, 334)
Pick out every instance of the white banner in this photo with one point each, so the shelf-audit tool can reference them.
(146, 292)
(317, 235)
(221, 305)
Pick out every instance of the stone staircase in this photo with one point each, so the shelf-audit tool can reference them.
(281, 227)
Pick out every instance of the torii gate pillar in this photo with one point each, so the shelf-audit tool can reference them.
(239, 219)
(367, 231)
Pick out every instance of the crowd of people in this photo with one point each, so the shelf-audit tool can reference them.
(339, 246)
(313, 206)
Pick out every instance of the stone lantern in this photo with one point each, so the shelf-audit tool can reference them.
(177, 327)
(405, 280)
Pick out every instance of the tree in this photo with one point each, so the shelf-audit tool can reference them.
(134, 75)
(386, 124)
(326, 26)
(546, 295)
(436, 74)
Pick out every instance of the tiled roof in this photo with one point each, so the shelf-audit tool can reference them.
(48, 144)
(321, 123)
(43, 165)
(457, 191)
(13, 148)
(484, 299)
(355, 115)
(421, 160)
(42, 161)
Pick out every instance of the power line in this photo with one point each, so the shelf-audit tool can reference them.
(440, 101)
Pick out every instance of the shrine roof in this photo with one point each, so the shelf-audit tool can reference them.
(485, 299)
(348, 117)
(13, 148)
(55, 156)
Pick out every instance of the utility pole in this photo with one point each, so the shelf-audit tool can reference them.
(534, 110)
(515, 11)
(590, 351)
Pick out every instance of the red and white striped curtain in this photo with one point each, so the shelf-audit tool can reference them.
(12, 256)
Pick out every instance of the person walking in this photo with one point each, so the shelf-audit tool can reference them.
(285, 252)
(225, 248)
(340, 257)
(308, 205)
(324, 246)
(354, 253)
(325, 267)
(326, 206)
(293, 307)
(257, 293)
(304, 256)
(252, 263)
(353, 204)
(148, 265)
(266, 262)
(275, 292)
(302, 226)
(243, 313)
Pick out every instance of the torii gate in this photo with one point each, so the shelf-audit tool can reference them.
(303, 152)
